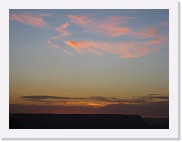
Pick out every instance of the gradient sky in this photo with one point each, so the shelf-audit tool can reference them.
(89, 61)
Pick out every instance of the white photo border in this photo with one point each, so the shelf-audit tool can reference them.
(171, 133)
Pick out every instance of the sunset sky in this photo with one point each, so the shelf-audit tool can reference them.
(89, 61)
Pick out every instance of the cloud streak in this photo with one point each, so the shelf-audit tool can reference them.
(148, 32)
(94, 101)
(36, 20)
(123, 50)
(62, 29)
(62, 34)
(48, 97)
(111, 26)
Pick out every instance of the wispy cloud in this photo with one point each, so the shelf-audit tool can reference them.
(111, 26)
(95, 101)
(60, 36)
(62, 29)
(36, 20)
(158, 40)
(153, 97)
(158, 96)
(48, 97)
(92, 101)
(51, 43)
(123, 49)
(147, 32)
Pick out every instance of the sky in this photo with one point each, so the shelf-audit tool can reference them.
(111, 61)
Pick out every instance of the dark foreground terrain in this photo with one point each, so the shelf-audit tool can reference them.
(85, 121)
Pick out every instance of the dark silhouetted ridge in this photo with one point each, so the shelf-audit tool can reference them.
(76, 121)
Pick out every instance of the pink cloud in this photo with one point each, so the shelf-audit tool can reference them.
(30, 19)
(80, 20)
(62, 30)
(123, 50)
(62, 33)
(146, 33)
(157, 40)
(111, 26)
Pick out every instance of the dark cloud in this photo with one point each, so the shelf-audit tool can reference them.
(160, 97)
(47, 97)
(40, 98)
(153, 96)
(109, 99)
(36, 100)
(50, 99)
(157, 96)
(134, 100)
(99, 98)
